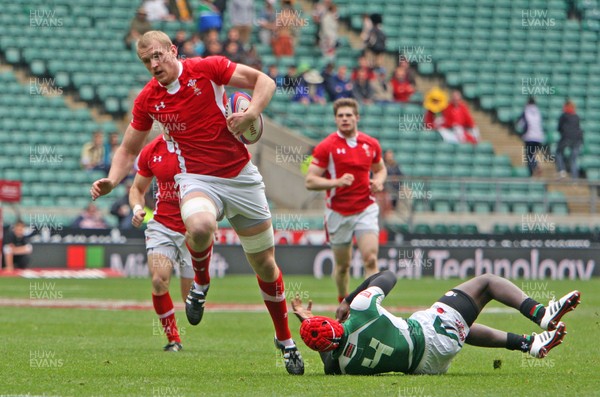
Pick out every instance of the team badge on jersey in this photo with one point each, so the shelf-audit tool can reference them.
(192, 83)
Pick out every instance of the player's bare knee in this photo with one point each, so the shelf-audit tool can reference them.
(160, 283)
(201, 228)
(370, 262)
(342, 267)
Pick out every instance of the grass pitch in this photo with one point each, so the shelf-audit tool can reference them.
(84, 352)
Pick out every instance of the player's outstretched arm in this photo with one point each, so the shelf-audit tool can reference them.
(301, 312)
(122, 162)
(386, 280)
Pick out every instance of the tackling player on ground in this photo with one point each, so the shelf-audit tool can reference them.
(368, 339)
(217, 178)
(342, 165)
(165, 234)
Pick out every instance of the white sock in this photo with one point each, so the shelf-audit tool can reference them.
(199, 287)
(287, 342)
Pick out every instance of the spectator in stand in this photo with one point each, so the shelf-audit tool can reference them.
(181, 9)
(17, 250)
(233, 34)
(319, 9)
(401, 87)
(236, 52)
(179, 40)
(571, 136)
(531, 123)
(363, 63)
(328, 32)
(209, 17)
(452, 120)
(410, 74)
(266, 22)
(461, 118)
(392, 185)
(376, 41)
(232, 51)
(209, 36)
(157, 10)
(273, 72)
(92, 153)
(329, 81)
(252, 59)
(198, 44)
(122, 211)
(111, 147)
(310, 89)
(188, 50)
(367, 25)
(213, 47)
(362, 90)
(138, 26)
(292, 78)
(241, 17)
(90, 218)
(286, 23)
(343, 85)
(382, 87)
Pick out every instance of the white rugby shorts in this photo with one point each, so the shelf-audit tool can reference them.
(445, 332)
(242, 195)
(162, 240)
(340, 228)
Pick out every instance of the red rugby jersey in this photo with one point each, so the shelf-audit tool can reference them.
(339, 156)
(158, 159)
(193, 112)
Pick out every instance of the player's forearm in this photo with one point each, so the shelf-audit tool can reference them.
(262, 94)
(384, 280)
(313, 182)
(136, 197)
(380, 176)
(121, 165)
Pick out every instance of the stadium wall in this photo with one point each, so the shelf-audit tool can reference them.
(532, 262)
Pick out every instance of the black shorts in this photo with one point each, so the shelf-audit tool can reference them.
(462, 303)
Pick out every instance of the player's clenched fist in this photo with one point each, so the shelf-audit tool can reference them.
(346, 180)
(101, 188)
(138, 217)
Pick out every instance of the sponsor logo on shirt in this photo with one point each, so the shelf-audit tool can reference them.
(160, 106)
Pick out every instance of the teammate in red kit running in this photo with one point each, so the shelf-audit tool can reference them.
(217, 178)
(165, 234)
(341, 165)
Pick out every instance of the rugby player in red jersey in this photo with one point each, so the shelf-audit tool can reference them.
(342, 165)
(217, 178)
(165, 233)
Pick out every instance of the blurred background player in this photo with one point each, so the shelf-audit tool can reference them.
(217, 178)
(165, 234)
(370, 340)
(17, 249)
(342, 164)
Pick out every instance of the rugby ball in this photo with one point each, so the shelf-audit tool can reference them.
(239, 102)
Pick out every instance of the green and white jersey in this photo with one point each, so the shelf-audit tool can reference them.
(375, 341)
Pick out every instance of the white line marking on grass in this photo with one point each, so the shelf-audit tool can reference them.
(97, 304)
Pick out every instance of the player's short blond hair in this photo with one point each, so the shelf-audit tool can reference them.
(349, 102)
(154, 36)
